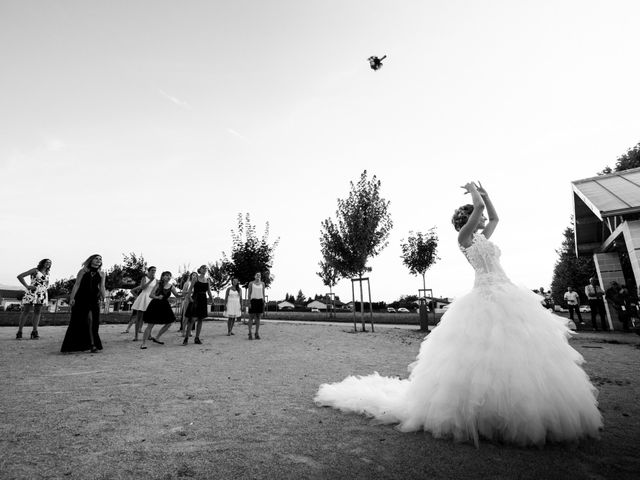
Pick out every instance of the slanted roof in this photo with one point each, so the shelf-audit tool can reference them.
(599, 198)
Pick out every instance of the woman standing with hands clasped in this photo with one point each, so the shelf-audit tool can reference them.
(498, 365)
(89, 289)
(232, 304)
(199, 291)
(36, 296)
(256, 304)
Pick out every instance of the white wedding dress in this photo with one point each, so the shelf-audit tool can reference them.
(497, 366)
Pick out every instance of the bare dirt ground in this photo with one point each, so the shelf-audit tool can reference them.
(234, 408)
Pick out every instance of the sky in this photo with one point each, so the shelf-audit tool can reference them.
(148, 126)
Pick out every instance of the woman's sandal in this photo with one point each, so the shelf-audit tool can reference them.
(143, 347)
(18, 335)
(155, 340)
(34, 335)
(185, 341)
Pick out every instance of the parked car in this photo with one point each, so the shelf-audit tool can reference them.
(391, 310)
(315, 310)
(403, 310)
(585, 308)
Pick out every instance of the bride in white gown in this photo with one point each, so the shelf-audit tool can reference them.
(497, 366)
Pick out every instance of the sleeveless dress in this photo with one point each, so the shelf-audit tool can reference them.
(160, 311)
(233, 308)
(198, 307)
(256, 303)
(87, 300)
(143, 299)
(497, 366)
(40, 295)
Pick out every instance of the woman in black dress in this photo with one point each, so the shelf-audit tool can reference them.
(82, 333)
(159, 311)
(199, 291)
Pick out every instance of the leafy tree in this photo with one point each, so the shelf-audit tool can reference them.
(361, 232)
(362, 228)
(420, 252)
(249, 254)
(134, 268)
(115, 278)
(61, 288)
(328, 274)
(629, 160)
(300, 298)
(570, 270)
(218, 276)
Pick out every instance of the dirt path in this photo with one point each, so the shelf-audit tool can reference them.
(233, 408)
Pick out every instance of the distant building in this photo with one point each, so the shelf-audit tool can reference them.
(10, 295)
(317, 304)
(286, 306)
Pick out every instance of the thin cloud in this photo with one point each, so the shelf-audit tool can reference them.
(236, 134)
(172, 99)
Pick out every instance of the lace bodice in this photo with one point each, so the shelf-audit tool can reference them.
(484, 257)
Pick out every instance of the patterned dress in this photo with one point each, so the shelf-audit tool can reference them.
(39, 296)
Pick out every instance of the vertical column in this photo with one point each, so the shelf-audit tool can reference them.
(609, 270)
(631, 232)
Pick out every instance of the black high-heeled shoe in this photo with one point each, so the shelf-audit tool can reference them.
(94, 349)
(34, 335)
(18, 335)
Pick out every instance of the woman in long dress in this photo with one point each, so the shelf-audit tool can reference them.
(82, 332)
(36, 296)
(498, 365)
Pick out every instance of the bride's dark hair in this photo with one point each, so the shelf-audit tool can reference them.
(461, 216)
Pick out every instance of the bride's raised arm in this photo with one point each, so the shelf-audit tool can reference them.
(491, 212)
(465, 237)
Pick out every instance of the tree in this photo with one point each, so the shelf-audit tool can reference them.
(629, 160)
(134, 268)
(300, 298)
(328, 275)
(249, 254)
(361, 232)
(61, 288)
(570, 270)
(218, 276)
(420, 252)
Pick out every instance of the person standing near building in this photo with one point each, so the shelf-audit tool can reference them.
(618, 296)
(36, 296)
(594, 296)
(572, 299)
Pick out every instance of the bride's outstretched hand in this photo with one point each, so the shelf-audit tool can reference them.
(481, 190)
(469, 187)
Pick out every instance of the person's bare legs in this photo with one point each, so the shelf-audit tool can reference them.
(250, 323)
(27, 309)
(230, 323)
(162, 330)
(132, 319)
(198, 330)
(257, 322)
(146, 335)
(37, 312)
(187, 330)
(139, 322)
(90, 322)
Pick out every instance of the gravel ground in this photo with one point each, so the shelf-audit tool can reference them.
(234, 408)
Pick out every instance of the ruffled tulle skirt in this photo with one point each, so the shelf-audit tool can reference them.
(498, 366)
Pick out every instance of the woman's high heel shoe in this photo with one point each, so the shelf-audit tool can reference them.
(34, 335)
(94, 349)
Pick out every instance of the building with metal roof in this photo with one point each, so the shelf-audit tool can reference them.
(607, 226)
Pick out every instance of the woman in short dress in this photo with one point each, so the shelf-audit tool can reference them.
(159, 311)
(35, 297)
(82, 333)
(232, 305)
(147, 284)
(256, 305)
(199, 291)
